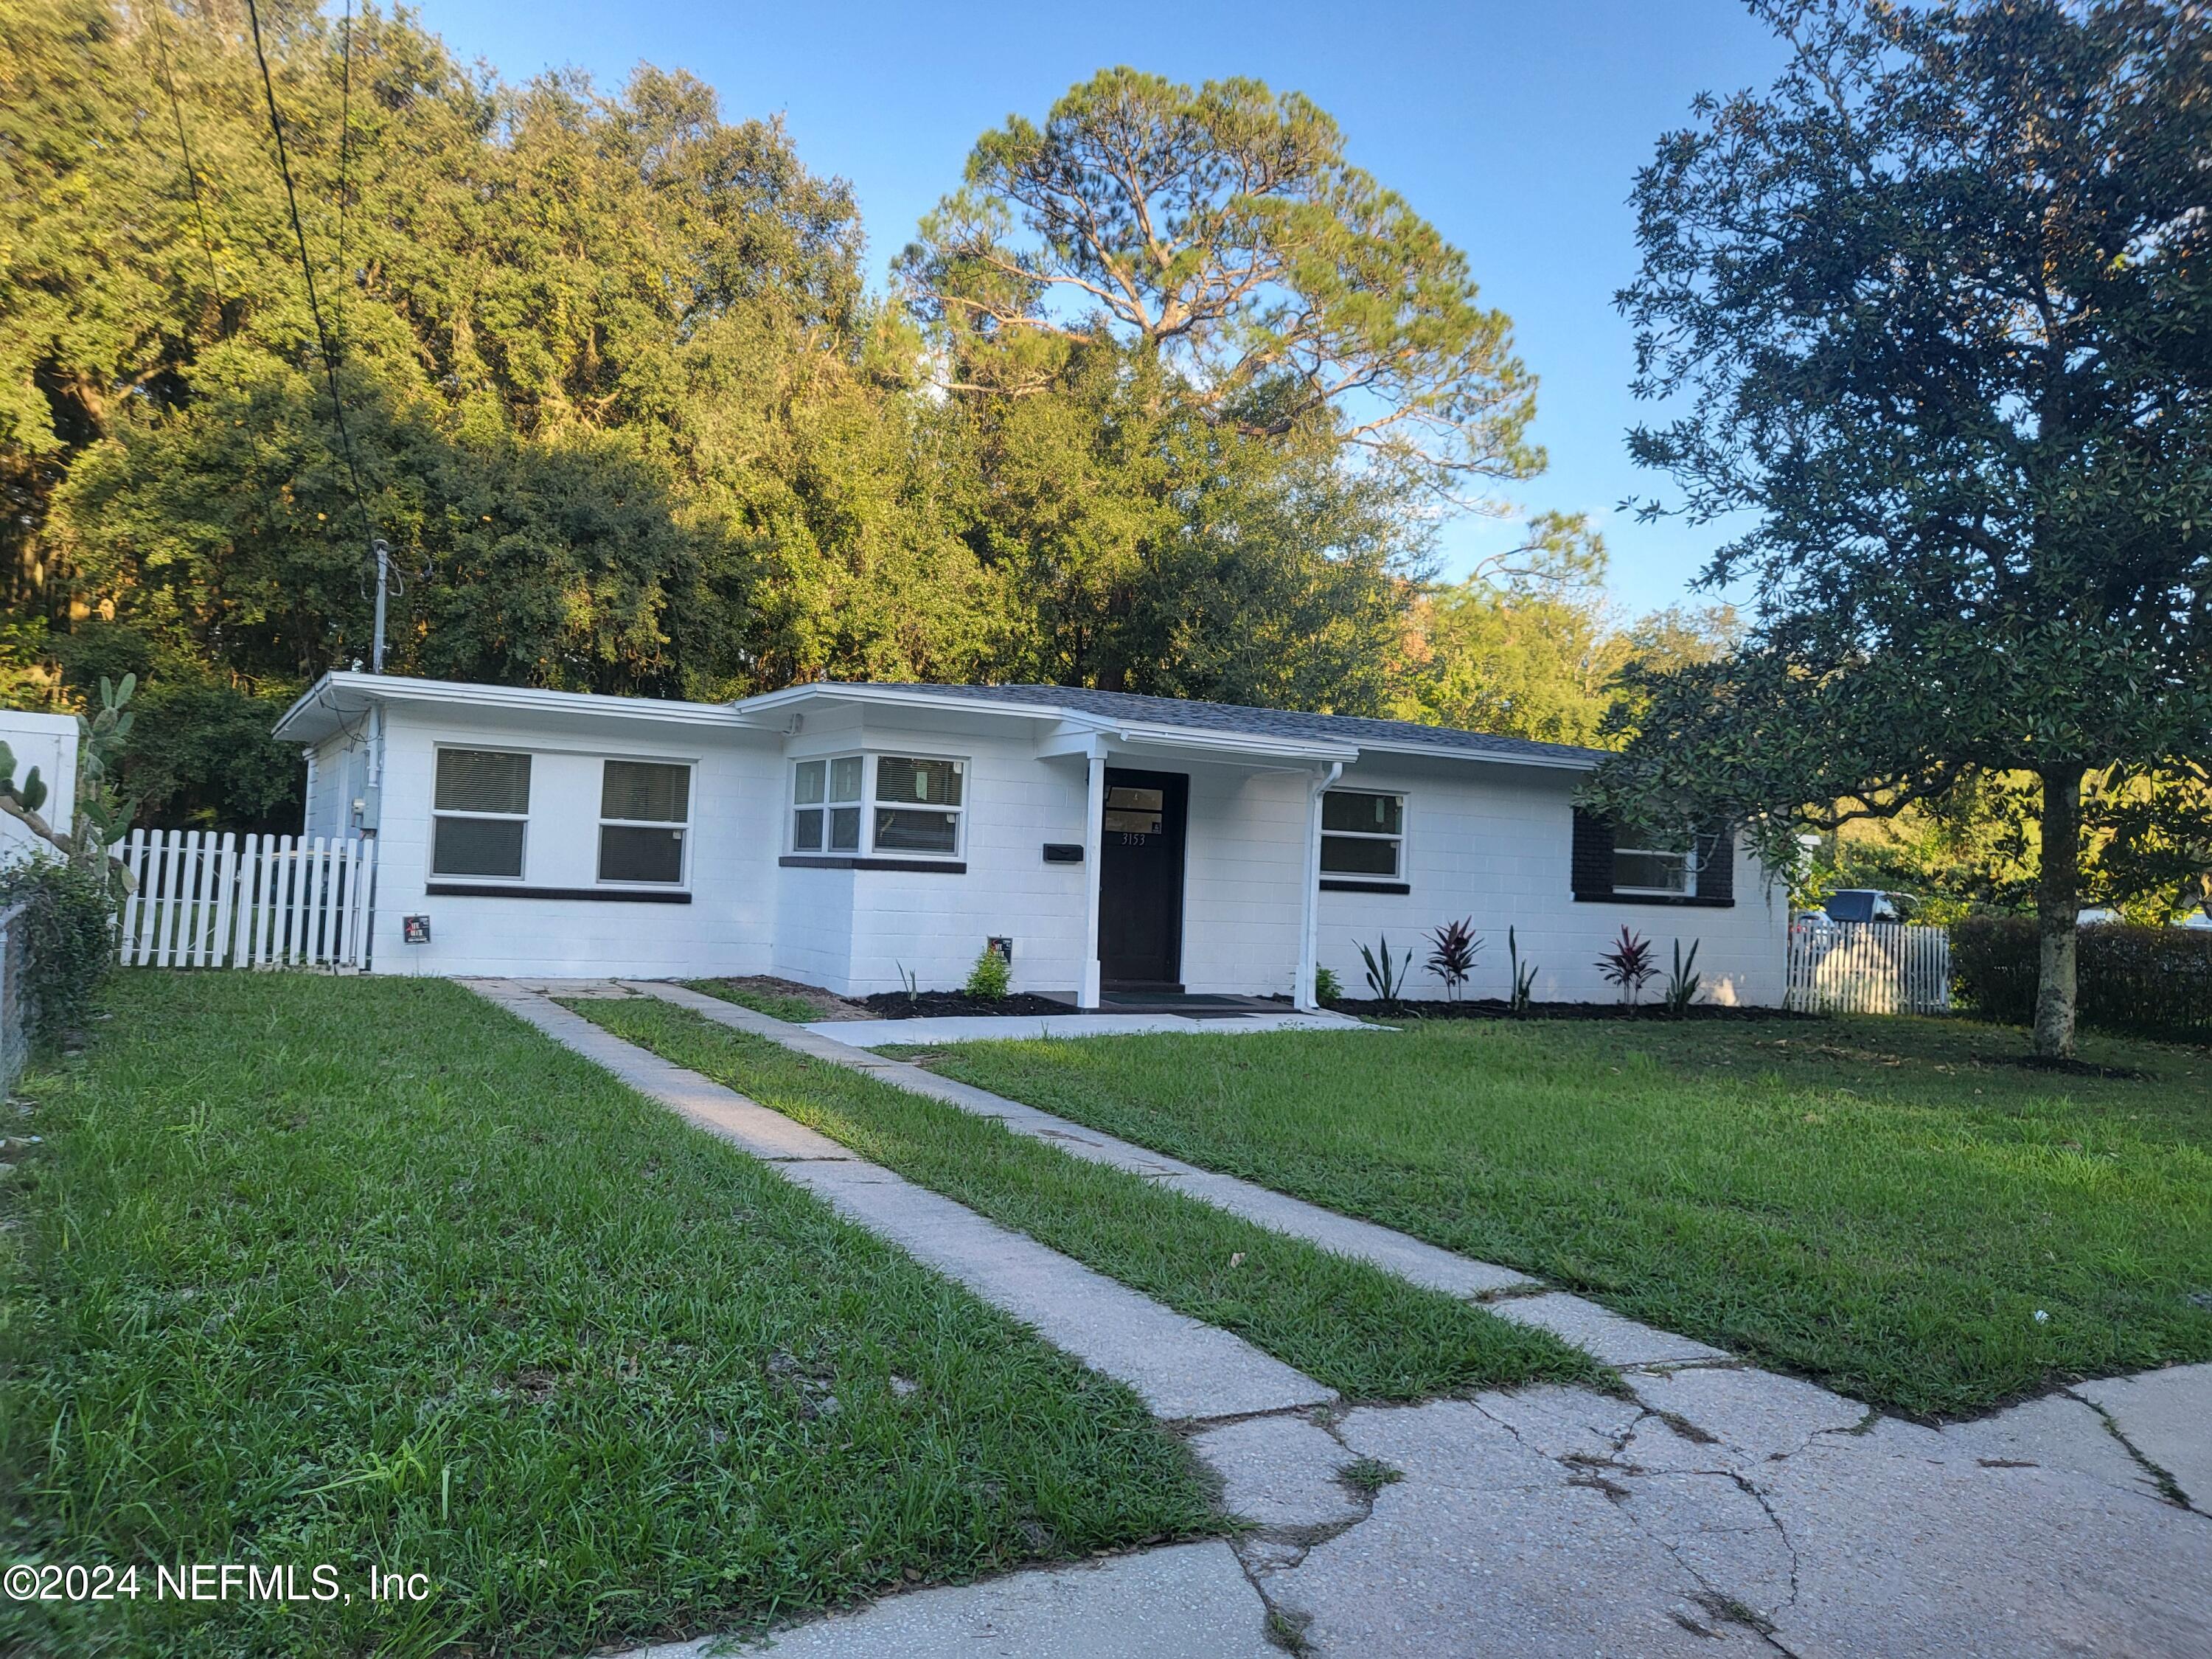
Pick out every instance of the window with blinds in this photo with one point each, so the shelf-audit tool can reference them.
(1363, 835)
(645, 811)
(480, 810)
(918, 805)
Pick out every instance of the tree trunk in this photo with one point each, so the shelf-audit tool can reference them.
(2059, 912)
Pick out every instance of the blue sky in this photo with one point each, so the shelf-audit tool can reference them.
(1515, 128)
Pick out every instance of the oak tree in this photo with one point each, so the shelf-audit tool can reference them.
(1933, 313)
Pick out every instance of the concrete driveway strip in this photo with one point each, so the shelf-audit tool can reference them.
(1186, 1601)
(1409, 1258)
(1183, 1369)
(2163, 1416)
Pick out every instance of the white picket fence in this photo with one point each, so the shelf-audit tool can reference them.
(1869, 967)
(202, 899)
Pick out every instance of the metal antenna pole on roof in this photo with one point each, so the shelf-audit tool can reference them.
(383, 581)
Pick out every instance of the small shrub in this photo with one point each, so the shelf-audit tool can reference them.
(1524, 979)
(2147, 982)
(1455, 946)
(991, 976)
(69, 939)
(1682, 984)
(1327, 987)
(1629, 964)
(1385, 978)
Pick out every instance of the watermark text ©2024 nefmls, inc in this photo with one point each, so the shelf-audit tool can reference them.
(207, 1581)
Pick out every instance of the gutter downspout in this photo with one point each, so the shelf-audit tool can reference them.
(1302, 996)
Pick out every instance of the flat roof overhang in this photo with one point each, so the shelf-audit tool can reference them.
(341, 698)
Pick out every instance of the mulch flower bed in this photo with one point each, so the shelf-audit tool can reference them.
(1495, 1008)
(932, 1005)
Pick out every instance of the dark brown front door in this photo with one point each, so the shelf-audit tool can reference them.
(1140, 880)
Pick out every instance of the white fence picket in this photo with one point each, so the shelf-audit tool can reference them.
(202, 899)
(1869, 968)
(225, 900)
(134, 861)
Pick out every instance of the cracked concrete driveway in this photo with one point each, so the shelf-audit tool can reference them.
(1723, 1509)
(1711, 1508)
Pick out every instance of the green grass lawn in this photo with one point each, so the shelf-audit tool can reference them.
(776, 1005)
(1358, 1329)
(1882, 1203)
(310, 1270)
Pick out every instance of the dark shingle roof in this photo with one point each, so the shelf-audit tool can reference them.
(1268, 722)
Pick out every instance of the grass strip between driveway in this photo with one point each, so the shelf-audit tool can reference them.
(1356, 1327)
(1896, 1206)
(365, 1272)
(776, 1005)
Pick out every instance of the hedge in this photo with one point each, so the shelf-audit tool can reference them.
(2150, 981)
(68, 937)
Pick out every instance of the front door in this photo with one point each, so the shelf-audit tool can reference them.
(1140, 880)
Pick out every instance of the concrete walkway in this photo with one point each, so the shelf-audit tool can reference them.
(1715, 1509)
(1184, 1370)
(1509, 1294)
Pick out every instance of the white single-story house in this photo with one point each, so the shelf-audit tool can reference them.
(851, 835)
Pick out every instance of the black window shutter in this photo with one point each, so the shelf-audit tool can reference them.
(1590, 863)
(1716, 865)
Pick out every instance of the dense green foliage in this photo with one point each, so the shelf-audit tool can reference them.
(1348, 1324)
(1933, 310)
(68, 945)
(2153, 981)
(1880, 1203)
(619, 398)
(310, 1270)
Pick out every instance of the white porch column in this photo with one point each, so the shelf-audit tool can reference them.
(1093, 845)
(1302, 997)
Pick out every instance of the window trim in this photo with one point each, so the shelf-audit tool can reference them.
(867, 856)
(876, 803)
(1687, 854)
(683, 882)
(1346, 881)
(792, 806)
(438, 814)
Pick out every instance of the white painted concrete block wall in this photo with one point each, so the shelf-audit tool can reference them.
(934, 923)
(1244, 871)
(728, 927)
(1494, 846)
(341, 772)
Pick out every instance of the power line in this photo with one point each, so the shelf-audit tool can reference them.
(345, 133)
(184, 145)
(308, 272)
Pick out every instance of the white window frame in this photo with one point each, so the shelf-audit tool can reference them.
(437, 813)
(869, 805)
(957, 813)
(794, 807)
(683, 882)
(1403, 838)
(1689, 855)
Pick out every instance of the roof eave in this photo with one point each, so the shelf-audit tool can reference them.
(1570, 761)
(345, 685)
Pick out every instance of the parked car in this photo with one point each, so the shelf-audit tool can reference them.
(1865, 904)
